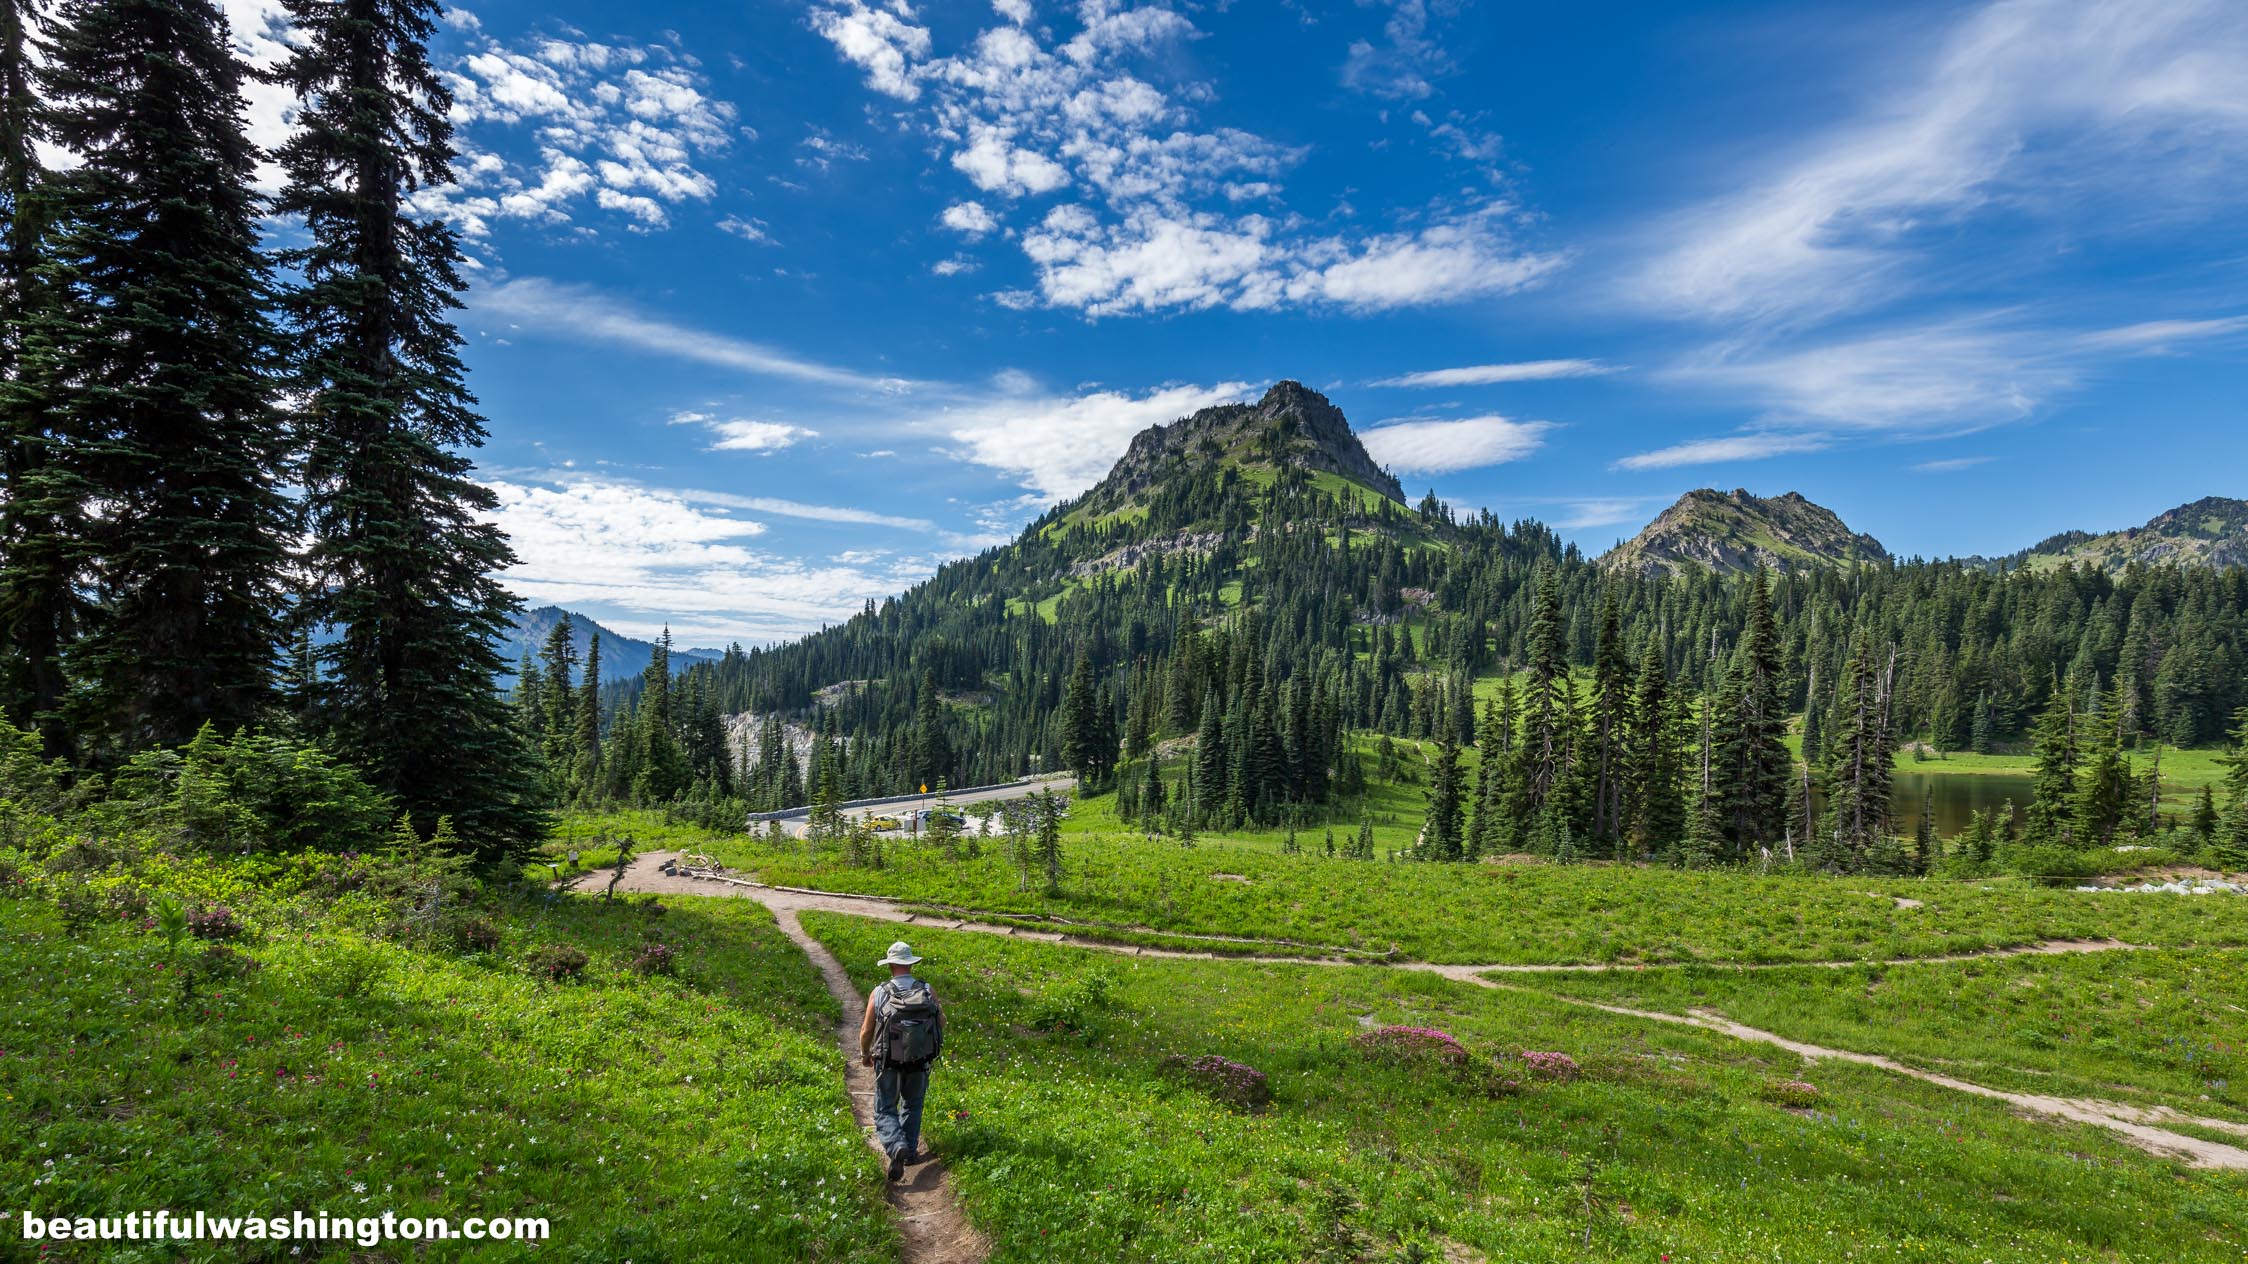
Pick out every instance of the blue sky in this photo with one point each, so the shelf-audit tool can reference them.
(777, 306)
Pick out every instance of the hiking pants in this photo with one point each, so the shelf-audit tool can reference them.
(898, 1092)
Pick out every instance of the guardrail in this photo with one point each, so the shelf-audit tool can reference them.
(790, 814)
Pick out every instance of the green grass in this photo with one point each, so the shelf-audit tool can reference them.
(2154, 1027)
(691, 1117)
(1513, 913)
(1074, 1145)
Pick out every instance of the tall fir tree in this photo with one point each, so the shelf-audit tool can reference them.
(1441, 836)
(404, 558)
(585, 727)
(2057, 747)
(1654, 770)
(1611, 716)
(155, 338)
(1752, 759)
(42, 503)
(1860, 758)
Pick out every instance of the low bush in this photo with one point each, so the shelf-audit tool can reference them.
(1413, 1045)
(1237, 1084)
(216, 921)
(476, 934)
(1556, 1068)
(556, 962)
(1793, 1093)
(1071, 1007)
(656, 959)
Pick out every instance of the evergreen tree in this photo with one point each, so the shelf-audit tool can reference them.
(42, 502)
(930, 757)
(155, 337)
(2052, 797)
(1925, 845)
(2232, 832)
(1752, 758)
(1441, 834)
(558, 660)
(2104, 788)
(2205, 818)
(403, 556)
(1860, 758)
(1611, 715)
(585, 727)
(1654, 772)
(1048, 812)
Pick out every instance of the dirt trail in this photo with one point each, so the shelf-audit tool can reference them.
(2134, 1124)
(929, 1219)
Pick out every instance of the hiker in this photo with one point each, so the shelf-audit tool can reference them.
(902, 1033)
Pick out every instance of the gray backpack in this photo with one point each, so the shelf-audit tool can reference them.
(912, 1025)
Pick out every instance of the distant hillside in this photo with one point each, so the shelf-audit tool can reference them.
(621, 656)
(2212, 531)
(1736, 531)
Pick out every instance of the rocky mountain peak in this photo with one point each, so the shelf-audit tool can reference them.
(1739, 531)
(1291, 425)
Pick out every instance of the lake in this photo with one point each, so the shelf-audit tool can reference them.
(1958, 795)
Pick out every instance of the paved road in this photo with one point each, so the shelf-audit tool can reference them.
(799, 819)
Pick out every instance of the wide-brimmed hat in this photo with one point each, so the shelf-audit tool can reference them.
(901, 954)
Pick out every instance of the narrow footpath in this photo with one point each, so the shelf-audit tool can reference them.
(2136, 1125)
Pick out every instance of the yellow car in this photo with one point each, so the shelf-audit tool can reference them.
(882, 823)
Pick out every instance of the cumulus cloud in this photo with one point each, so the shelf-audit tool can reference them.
(1406, 59)
(1441, 447)
(1059, 446)
(1489, 374)
(621, 127)
(1162, 213)
(971, 219)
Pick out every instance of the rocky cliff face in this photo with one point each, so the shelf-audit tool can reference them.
(1737, 531)
(1291, 425)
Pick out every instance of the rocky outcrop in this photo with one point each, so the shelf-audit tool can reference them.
(1292, 425)
(1737, 531)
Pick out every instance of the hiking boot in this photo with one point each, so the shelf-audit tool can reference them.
(897, 1164)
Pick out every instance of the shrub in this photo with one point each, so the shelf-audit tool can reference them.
(251, 792)
(556, 961)
(475, 934)
(80, 907)
(656, 959)
(1794, 1093)
(2056, 866)
(12, 879)
(1071, 1006)
(346, 969)
(1236, 1084)
(214, 922)
(128, 904)
(1558, 1068)
(220, 961)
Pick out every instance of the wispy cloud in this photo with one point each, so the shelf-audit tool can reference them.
(1488, 374)
(1951, 377)
(1950, 464)
(580, 312)
(1441, 447)
(2136, 98)
(1744, 447)
(2156, 337)
(816, 513)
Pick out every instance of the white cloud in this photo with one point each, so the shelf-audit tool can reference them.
(621, 126)
(1059, 446)
(1165, 214)
(653, 553)
(2156, 337)
(1950, 377)
(1488, 374)
(957, 265)
(583, 313)
(741, 434)
(880, 41)
(1440, 447)
(1744, 447)
(2141, 99)
(815, 513)
(1402, 65)
(746, 229)
(971, 219)
(1951, 464)
(1015, 11)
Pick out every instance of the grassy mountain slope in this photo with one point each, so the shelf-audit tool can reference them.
(2212, 531)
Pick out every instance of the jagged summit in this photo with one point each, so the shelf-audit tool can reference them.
(1292, 425)
(1738, 531)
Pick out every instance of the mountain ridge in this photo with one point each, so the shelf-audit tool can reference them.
(1736, 531)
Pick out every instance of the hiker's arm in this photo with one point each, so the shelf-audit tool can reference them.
(866, 1033)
